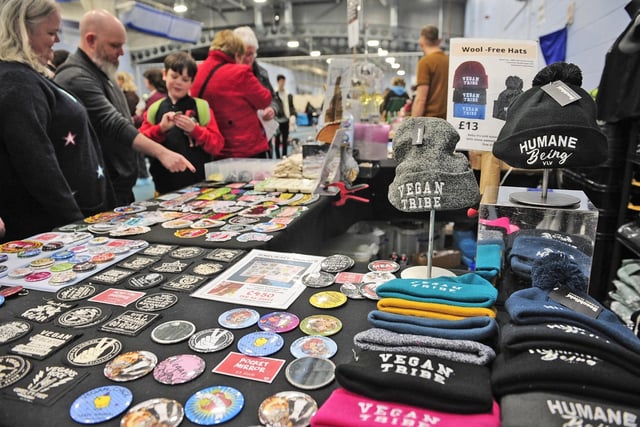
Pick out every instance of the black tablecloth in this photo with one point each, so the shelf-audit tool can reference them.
(204, 314)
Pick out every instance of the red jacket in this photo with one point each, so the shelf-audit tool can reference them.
(235, 95)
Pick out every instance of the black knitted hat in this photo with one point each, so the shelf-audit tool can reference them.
(539, 133)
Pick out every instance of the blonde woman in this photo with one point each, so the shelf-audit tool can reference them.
(125, 81)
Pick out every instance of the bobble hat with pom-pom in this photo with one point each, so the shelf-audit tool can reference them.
(559, 294)
(430, 175)
(540, 133)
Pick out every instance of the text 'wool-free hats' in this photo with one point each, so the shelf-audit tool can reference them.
(544, 132)
(430, 175)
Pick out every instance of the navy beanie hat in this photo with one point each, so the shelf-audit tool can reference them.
(539, 133)
(430, 175)
(559, 295)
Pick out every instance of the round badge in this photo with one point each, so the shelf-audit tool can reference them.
(28, 253)
(84, 267)
(130, 209)
(41, 263)
(102, 228)
(262, 343)
(161, 412)
(210, 340)
(4, 257)
(368, 290)
(287, 408)
(238, 318)
(101, 404)
(328, 299)
(318, 279)
(336, 263)
(268, 227)
(214, 405)
(94, 351)
(179, 369)
(11, 330)
(313, 346)
(52, 246)
(61, 266)
(173, 331)
(79, 249)
(321, 324)
(278, 321)
(208, 268)
(351, 291)
(156, 302)
(83, 316)
(186, 252)
(38, 276)
(130, 366)
(80, 258)
(62, 277)
(190, 233)
(14, 368)
(103, 257)
(177, 223)
(100, 240)
(15, 246)
(75, 292)
(384, 265)
(378, 276)
(207, 223)
(310, 373)
(145, 281)
(20, 272)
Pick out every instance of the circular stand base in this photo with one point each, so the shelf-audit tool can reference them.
(534, 198)
(421, 272)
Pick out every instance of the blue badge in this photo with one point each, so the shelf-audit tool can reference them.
(238, 318)
(262, 343)
(214, 405)
(101, 404)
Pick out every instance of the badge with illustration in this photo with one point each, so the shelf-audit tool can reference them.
(176, 266)
(239, 318)
(94, 351)
(48, 384)
(278, 321)
(47, 311)
(224, 255)
(287, 408)
(43, 344)
(210, 340)
(138, 262)
(156, 302)
(179, 369)
(76, 292)
(83, 317)
(157, 249)
(208, 268)
(130, 366)
(11, 330)
(328, 299)
(186, 252)
(100, 404)
(313, 346)
(160, 412)
(261, 343)
(14, 368)
(184, 283)
(321, 324)
(111, 276)
(214, 405)
(145, 281)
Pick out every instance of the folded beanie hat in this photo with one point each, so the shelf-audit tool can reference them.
(468, 290)
(563, 337)
(346, 409)
(470, 75)
(537, 409)
(430, 175)
(540, 133)
(417, 380)
(432, 310)
(581, 243)
(483, 329)
(463, 351)
(559, 294)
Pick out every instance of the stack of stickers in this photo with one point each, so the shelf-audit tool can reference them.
(234, 211)
(49, 261)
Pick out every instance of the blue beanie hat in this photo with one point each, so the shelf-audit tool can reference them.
(468, 290)
(559, 295)
(483, 329)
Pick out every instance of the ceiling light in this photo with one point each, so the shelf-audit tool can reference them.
(390, 59)
(180, 7)
(259, 1)
(315, 53)
(382, 52)
(293, 43)
(373, 43)
(400, 72)
(395, 65)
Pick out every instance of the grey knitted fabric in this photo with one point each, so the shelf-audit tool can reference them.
(430, 175)
(464, 351)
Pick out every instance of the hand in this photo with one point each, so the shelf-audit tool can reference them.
(184, 122)
(268, 113)
(167, 121)
(175, 162)
(3, 230)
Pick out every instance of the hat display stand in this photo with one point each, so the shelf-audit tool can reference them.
(544, 198)
(428, 271)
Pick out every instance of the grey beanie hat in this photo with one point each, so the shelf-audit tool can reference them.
(430, 175)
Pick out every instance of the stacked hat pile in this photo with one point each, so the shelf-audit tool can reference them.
(565, 358)
(470, 83)
(626, 295)
(428, 353)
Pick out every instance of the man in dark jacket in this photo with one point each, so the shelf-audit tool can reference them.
(89, 73)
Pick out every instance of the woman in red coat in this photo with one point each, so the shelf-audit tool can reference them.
(235, 96)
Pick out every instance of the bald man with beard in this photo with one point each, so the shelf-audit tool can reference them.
(89, 73)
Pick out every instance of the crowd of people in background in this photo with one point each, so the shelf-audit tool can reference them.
(78, 142)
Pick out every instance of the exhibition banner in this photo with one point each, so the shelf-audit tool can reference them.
(485, 75)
